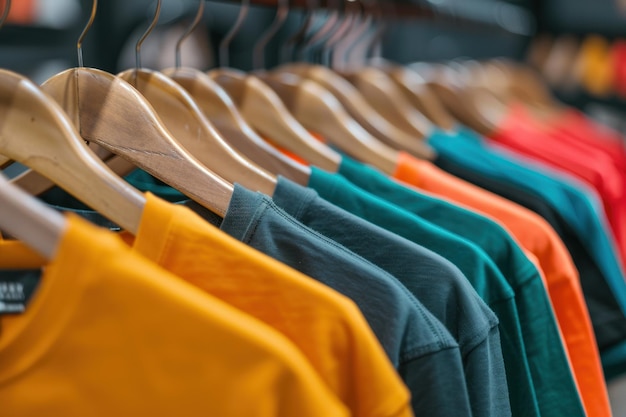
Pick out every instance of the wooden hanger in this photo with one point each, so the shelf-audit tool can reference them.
(263, 110)
(194, 132)
(30, 221)
(417, 92)
(359, 108)
(190, 127)
(217, 106)
(389, 101)
(473, 106)
(224, 115)
(111, 113)
(526, 85)
(37, 133)
(318, 110)
(266, 113)
(30, 181)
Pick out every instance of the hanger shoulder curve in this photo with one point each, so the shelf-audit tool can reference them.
(111, 113)
(35, 224)
(360, 110)
(190, 127)
(421, 97)
(389, 101)
(317, 109)
(265, 111)
(36, 132)
(217, 105)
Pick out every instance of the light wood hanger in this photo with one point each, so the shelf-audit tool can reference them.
(317, 109)
(111, 113)
(30, 221)
(266, 113)
(217, 106)
(37, 133)
(526, 85)
(360, 109)
(388, 100)
(417, 92)
(475, 107)
(192, 130)
(34, 183)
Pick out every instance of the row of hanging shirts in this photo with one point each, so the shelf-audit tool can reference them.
(203, 133)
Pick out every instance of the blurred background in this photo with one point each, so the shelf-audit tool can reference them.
(578, 45)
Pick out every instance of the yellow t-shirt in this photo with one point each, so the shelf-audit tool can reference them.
(108, 333)
(326, 326)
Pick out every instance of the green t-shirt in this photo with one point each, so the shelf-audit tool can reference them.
(552, 379)
(487, 234)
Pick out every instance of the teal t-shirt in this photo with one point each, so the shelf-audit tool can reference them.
(487, 234)
(438, 284)
(551, 374)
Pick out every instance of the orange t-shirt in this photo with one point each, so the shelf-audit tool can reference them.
(109, 333)
(561, 276)
(326, 326)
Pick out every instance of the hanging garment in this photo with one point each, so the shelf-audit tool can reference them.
(521, 134)
(576, 203)
(323, 217)
(435, 282)
(325, 326)
(449, 370)
(607, 317)
(537, 321)
(109, 333)
(562, 283)
(579, 208)
(416, 342)
(578, 126)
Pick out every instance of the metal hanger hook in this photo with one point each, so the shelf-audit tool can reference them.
(225, 43)
(258, 56)
(189, 31)
(155, 20)
(5, 14)
(81, 38)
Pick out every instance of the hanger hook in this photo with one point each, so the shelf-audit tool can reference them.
(189, 31)
(81, 38)
(295, 39)
(5, 14)
(225, 43)
(155, 20)
(258, 57)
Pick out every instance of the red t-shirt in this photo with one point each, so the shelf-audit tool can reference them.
(526, 136)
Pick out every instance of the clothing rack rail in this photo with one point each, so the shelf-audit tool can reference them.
(494, 15)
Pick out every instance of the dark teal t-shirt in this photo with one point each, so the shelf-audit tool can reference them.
(441, 288)
(425, 354)
(555, 389)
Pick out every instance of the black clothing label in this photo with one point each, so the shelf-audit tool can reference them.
(17, 288)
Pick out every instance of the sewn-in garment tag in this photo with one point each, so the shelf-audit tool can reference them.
(17, 288)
